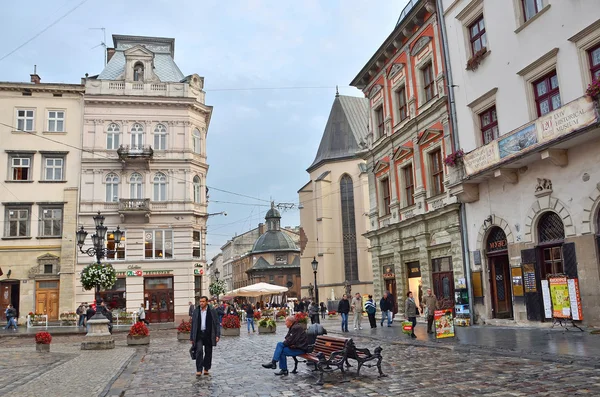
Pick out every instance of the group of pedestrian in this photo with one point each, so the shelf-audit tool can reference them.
(11, 317)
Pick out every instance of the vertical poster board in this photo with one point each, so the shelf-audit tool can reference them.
(575, 298)
(477, 285)
(444, 324)
(559, 293)
(529, 277)
(517, 281)
(546, 299)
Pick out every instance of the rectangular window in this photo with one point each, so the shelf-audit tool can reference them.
(595, 62)
(553, 261)
(196, 247)
(437, 172)
(160, 141)
(402, 108)
(489, 125)
(54, 168)
(56, 121)
(51, 223)
(409, 185)
(158, 244)
(25, 120)
(20, 167)
(112, 140)
(531, 7)
(379, 121)
(48, 269)
(18, 222)
(547, 94)
(428, 87)
(385, 195)
(477, 35)
(115, 252)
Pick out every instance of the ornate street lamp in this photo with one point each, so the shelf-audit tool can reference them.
(315, 266)
(217, 274)
(98, 249)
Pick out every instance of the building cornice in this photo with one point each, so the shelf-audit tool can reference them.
(43, 87)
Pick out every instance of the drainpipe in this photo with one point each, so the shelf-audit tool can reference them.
(456, 146)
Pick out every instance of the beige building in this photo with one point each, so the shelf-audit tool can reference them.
(334, 205)
(41, 131)
(530, 177)
(144, 168)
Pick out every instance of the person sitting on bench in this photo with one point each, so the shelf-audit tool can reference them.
(294, 344)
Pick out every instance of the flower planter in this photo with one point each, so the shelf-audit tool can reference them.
(230, 332)
(41, 347)
(138, 340)
(266, 330)
(183, 336)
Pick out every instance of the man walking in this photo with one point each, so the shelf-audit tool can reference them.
(357, 307)
(192, 307)
(294, 344)
(384, 306)
(81, 313)
(429, 305)
(204, 335)
(344, 309)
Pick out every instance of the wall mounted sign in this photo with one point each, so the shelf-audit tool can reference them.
(529, 282)
(199, 272)
(134, 273)
(158, 272)
(517, 281)
(414, 269)
(388, 272)
(133, 267)
(477, 284)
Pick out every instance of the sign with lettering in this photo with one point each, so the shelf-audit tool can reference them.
(157, 272)
(199, 272)
(575, 298)
(481, 158)
(388, 272)
(517, 281)
(414, 269)
(529, 281)
(559, 293)
(133, 267)
(134, 273)
(497, 245)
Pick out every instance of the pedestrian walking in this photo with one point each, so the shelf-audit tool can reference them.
(344, 309)
(385, 307)
(294, 344)
(323, 311)
(141, 313)
(429, 305)
(357, 308)
(411, 311)
(313, 312)
(205, 334)
(11, 315)
(250, 316)
(371, 309)
(89, 313)
(393, 306)
(191, 309)
(81, 313)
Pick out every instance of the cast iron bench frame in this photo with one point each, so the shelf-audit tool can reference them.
(334, 348)
(363, 356)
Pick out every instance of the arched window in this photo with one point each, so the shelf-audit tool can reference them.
(138, 72)
(112, 188)
(136, 186)
(137, 137)
(160, 137)
(160, 187)
(196, 141)
(112, 136)
(349, 228)
(196, 182)
(551, 235)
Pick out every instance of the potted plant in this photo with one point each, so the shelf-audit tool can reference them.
(281, 314)
(332, 313)
(231, 325)
(257, 315)
(138, 334)
(476, 59)
(42, 341)
(184, 329)
(593, 90)
(68, 319)
(302, 319)
(454, 158)
(266, 326)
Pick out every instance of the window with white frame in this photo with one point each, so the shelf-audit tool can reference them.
(115, 252)
(20, 167)
(437, 172)
(136, 186)
(477, 35)
(489, 125)
(428, 82)
(137, 137)
(17, 221)
(112, 136)
(594, 54)
(25, 119)
(196, 138)
(56, 121)
(160, 187)
(197, 189)
(112, 188)
(158, 244)
(160, 137)
(379, 122)
(196, 246)
(54, 168)
(402, 105)
(547, 93)
(51, 221)
(409, 185)
(384, 188)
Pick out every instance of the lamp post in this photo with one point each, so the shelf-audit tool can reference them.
(98, 250)
(217, 274)
(315, 266)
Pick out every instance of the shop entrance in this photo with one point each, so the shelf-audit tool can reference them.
(46, 298)
(9, 294)
(499, 267)
(414, 281)
(158, 299)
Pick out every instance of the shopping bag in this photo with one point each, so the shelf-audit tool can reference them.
(407, 327)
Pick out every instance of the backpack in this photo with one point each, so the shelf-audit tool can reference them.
(371, 309)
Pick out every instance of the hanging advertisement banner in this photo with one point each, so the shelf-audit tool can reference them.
(444, 324)
(559, 293)
(575, 298)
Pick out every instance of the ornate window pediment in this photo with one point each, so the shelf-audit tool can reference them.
(48, 266)
(376, 88)
(397, 67)
(419, 45)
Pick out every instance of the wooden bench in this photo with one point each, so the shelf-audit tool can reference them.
(363, 356)
(326, 355)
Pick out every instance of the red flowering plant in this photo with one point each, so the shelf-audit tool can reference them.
(43, 338)
(230, 321)
(185, 326)
(332, 313)
(139, 329)
(257, 315)
(593, 89)
(301, 317)
(281, 313)
(454, 158)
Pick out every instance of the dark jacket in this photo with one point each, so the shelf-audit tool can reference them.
(249, 311)
(191, 311)
(89, 313)
(215, 329)
(344, 306)
(385, 305)
(296, 338)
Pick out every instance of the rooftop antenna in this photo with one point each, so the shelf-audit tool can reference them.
(103, 43)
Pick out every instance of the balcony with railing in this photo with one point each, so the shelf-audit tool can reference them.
(135, 152)
(107, 87)
(134, 205)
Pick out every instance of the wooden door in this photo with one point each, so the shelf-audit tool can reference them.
(41, 299)
(52, 305)
(500, 285)
(443, 288)
(5, 299)
(46, 299)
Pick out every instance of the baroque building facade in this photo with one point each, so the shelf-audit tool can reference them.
(41, 130)
(334, 203)
(144, 168)
(530, 176)
(414, 227)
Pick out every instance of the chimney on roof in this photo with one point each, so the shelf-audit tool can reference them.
(261, 229)
(35, 78)
(109, 53)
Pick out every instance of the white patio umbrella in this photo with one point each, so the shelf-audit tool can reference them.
(258, 289)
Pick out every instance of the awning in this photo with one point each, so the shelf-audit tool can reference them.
(257, 289)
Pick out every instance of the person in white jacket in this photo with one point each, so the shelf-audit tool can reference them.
(142, 314)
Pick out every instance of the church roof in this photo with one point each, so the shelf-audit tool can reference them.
(346, 128)
(274, 240)
(262, 264)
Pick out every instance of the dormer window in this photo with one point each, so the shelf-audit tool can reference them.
(138, 72)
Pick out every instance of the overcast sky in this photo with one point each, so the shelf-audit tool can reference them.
(260, 141)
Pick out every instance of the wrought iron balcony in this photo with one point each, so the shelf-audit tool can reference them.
(134, 152)
(134, 205)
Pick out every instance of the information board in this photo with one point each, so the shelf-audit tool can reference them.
(546, 298)
(444, 324)
(575, 298)
(559, 293)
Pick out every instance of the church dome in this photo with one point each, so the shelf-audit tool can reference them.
(274, 239)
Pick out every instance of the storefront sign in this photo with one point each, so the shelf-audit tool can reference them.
(517, 281)
(444, 324)
(157, 272)
(133, 267)
(199, 272)
(497, 245)
(388, 272)
(117, 273)
(546, 299)
(559, 292)
(529, 277)
(414, 269)
(134, 273)
(575, 298)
